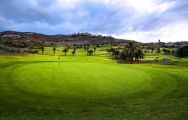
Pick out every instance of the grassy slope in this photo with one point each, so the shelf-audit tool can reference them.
(38, 87)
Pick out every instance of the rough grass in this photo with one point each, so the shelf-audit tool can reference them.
(35, 87)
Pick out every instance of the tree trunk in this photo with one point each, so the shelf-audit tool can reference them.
(131, 59)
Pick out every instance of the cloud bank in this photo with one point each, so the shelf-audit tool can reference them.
(141, 20)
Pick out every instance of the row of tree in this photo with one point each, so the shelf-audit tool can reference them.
(65, 50)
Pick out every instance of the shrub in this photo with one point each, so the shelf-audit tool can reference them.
(90, 52)
(182, 52)
(34, 52)
(9, 49)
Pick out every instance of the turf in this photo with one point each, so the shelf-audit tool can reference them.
(36, 87)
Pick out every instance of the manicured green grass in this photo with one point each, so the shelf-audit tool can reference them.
(41, 87)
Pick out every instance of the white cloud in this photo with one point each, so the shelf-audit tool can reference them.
(141, 5)
(142, 20)
(175, 32)
(172, 32)
(150, 6)
(66, 4)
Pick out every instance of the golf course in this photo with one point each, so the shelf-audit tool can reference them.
(93, 59)
(81, 87)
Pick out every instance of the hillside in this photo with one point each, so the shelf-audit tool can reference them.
(72, 39)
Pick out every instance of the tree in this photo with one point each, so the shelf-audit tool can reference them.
(136, 56)
(65, 51)
(159, 45)
(115, 53)
(42, 48)
(139, 55)
(152, 48)
(54, 49)
(123, 55)
(94, 49)
(131, 50)
(110, 49)
(87, 48)
(158, 50)
(74, 51)
(159, 42)
(166, 51)
(90, 52)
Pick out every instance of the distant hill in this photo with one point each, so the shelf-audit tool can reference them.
(72, 39)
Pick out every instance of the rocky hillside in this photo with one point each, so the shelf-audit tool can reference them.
(31, 38)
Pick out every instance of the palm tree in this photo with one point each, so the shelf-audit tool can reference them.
(131, 50)
(54, 49)
(74, 51)
(115, 53)
(159, 45)
(124, 54)
(42, 48)
(139, 55)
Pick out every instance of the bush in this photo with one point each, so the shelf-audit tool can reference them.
(34, 52)
(90, 52)
(9, 49)
(182, 52)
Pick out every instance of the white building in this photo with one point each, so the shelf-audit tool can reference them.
(10, 36)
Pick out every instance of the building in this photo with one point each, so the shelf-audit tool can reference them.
(10, 36)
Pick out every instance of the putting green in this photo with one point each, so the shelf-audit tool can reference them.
(90, 88)
(77, 79)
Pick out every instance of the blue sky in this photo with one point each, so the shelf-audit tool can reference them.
(141, 20)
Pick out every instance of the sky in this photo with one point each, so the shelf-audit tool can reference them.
(140, 20)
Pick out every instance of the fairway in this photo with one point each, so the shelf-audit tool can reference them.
(90, 88)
